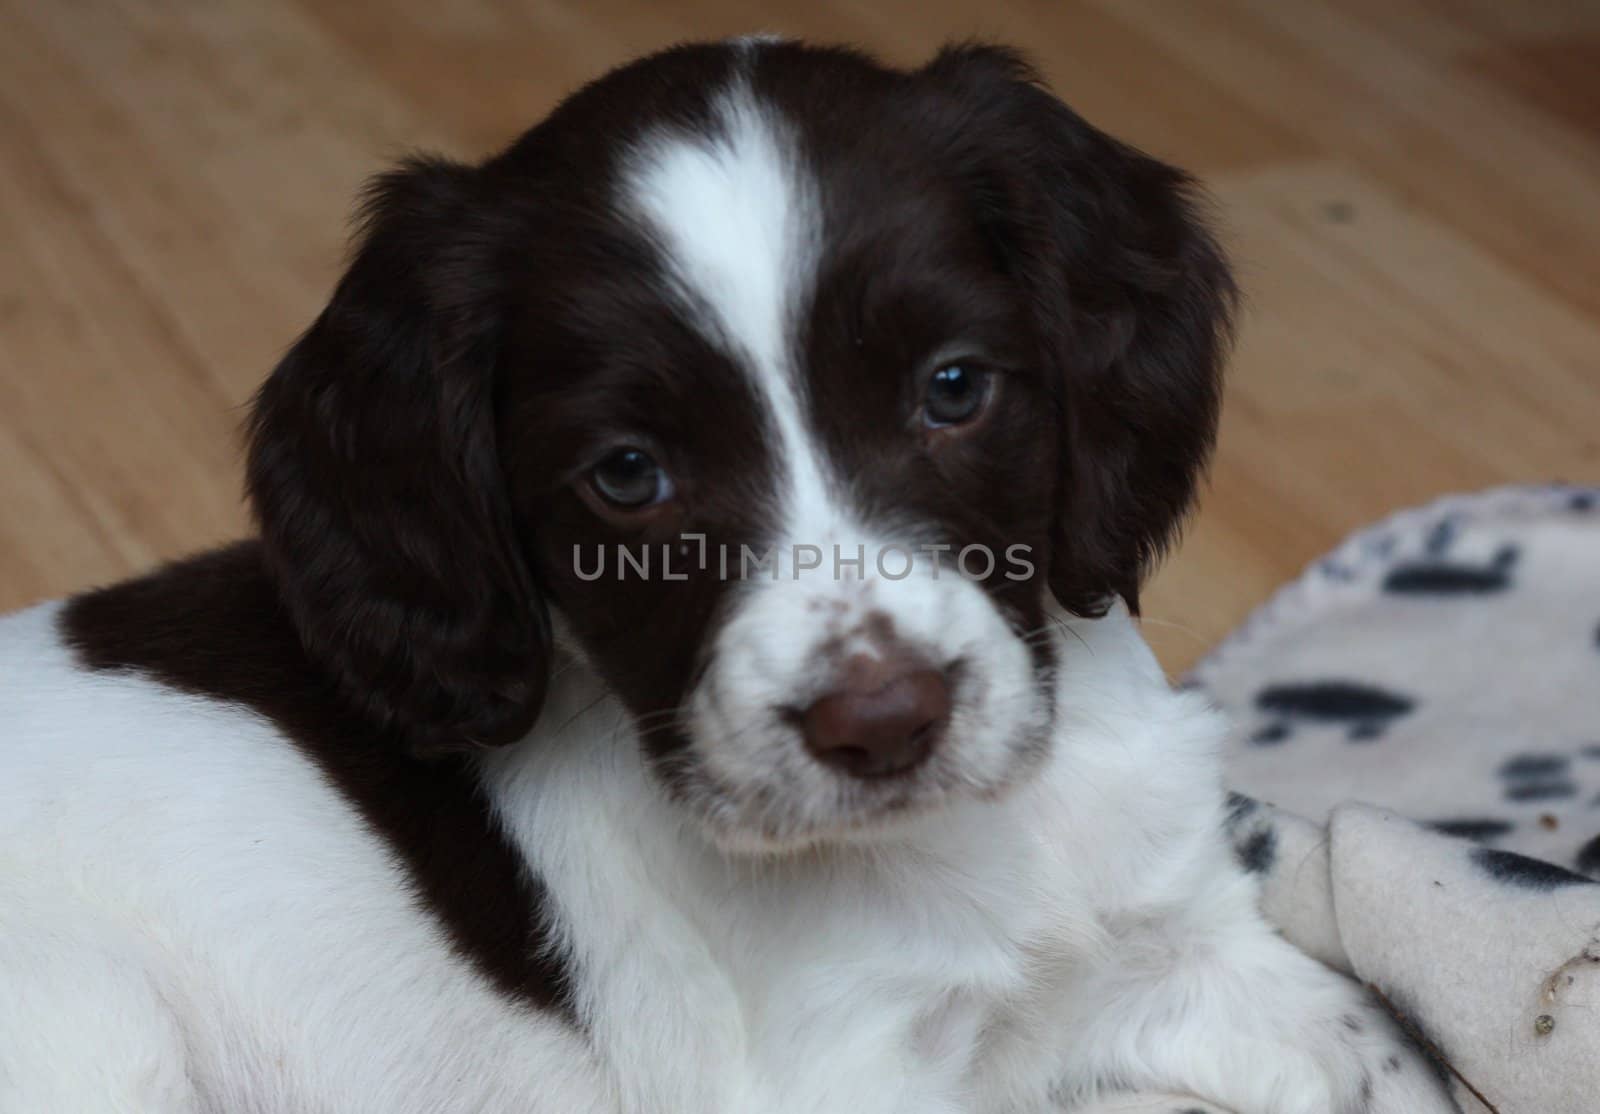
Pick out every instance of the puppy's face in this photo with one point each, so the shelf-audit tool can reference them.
(790, 385)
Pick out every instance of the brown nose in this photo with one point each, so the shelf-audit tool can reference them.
(883, 719)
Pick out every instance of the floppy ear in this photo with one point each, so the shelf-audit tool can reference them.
(1134, 304)
(377, 486)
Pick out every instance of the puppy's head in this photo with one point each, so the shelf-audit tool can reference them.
(786, 386)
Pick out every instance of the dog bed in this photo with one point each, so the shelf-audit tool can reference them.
(1416, 752)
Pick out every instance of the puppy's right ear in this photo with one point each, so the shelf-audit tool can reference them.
(1133, 298)
(377, 486)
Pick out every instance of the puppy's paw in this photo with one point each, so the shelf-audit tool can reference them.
(1308, 1041)
(1370, 1066)
(1255, 1027)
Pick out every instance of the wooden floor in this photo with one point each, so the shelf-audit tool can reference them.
(1412, 190)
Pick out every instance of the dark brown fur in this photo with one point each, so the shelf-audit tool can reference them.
(213, 626)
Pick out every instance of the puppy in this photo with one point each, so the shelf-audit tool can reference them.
(686, 663)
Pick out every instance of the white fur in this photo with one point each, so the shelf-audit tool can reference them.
(191, 920)
(766, 790)
(736, 213)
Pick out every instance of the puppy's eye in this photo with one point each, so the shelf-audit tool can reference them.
(630, 478)
(955, 394)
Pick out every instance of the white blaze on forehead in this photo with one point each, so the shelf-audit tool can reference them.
(736, 212)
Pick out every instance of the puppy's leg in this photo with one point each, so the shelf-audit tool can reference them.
(82, 1027)
(1205, 998)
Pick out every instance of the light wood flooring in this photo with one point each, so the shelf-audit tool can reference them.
(1411, 189)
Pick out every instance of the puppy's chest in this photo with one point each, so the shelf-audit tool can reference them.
(876, 993)
(889, 1019)
(872, 980)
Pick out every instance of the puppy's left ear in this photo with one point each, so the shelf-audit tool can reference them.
(373, 469)
(1134, 305)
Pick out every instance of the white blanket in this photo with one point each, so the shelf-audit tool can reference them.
(1444, 665)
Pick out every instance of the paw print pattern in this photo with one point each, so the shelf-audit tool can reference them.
(1363, 711)
(1478, 829)
(1538, 777)
(1520, 871)
(1588, 861)
(1437, 575)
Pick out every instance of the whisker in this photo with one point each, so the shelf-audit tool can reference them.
(1199, 639)
(1068, 629)
(580, 713)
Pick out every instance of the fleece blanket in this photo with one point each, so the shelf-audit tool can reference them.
(1417, 759)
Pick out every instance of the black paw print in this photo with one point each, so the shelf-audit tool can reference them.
(1538, 777)
(1436, 575)
(1365, 711)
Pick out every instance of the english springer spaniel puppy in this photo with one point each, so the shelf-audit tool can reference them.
(686, 663)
